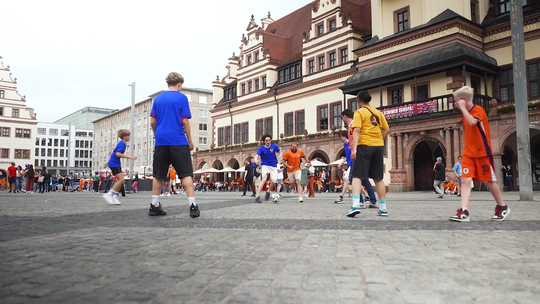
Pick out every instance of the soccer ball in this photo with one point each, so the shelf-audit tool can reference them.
(275, 197)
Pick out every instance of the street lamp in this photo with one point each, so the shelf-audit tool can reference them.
(132, 130)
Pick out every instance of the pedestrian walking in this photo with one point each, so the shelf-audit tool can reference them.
(369, 131)
(267, 159)
(170, 116)
(29, 172)
(12, 178)
(135, 183)
(457, 171)
(291, 160)
(477, 161)
(114, 164)
(19, 180)
(509, 177)
(248, 177)
(440, 176)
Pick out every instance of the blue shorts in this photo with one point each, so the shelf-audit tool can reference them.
(280, 181)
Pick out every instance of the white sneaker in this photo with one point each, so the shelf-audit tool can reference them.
(168, 194)
(161, 194)
(116, 201)
(109, 199)
(300, 200)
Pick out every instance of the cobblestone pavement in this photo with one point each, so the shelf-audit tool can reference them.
(73, 248)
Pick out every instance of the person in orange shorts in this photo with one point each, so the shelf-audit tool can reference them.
(477, 160)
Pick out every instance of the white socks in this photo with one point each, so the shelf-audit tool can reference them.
(191, 200)
(155, 200)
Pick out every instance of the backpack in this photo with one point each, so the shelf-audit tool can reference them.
(258, 171)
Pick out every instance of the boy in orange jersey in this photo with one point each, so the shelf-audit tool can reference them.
(477, 159)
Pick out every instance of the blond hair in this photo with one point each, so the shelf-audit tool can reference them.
(465, 93)
(174, 78)
(122, 133)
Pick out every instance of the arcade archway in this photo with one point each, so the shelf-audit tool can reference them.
(425, 153)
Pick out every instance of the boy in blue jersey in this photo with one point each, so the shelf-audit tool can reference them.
(343, 135)
(116, 168)
(267, 159)
(170, 116)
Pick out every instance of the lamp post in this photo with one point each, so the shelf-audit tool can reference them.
(132, 130)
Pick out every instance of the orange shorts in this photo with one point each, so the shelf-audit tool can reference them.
(479, 169)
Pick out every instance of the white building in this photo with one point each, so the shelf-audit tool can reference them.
(63, 150)
(17, 123)
(106, 129)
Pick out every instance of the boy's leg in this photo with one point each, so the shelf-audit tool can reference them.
(119, 180)
(496, 192)
(465, 192)
(157, 183)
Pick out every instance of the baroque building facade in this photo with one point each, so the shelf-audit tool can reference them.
(294, 76)
(17, 123)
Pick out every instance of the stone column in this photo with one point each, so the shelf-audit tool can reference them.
(449, 158)
(400, 151)
(497, 159)
(394, 150)
(457, 147)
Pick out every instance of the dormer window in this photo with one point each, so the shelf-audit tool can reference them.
(257, 57)
(332, 24)
(289, 73)
(229, 93)
(401, 20)
(320, 30)
(249, 59)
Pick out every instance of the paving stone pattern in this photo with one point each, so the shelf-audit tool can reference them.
(73, 248)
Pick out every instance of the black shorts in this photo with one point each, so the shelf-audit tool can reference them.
(177, 156)
(12, 179)
(369, 162)
(116, 170)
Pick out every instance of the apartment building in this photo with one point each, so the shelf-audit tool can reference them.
(142, 139)
(63, 149)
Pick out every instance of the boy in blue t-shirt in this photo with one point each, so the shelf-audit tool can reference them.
(267, 159)
(116, 168)
(170, 116)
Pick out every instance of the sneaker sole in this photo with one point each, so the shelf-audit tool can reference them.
(194, 215)
(460, 220)
(354, 213)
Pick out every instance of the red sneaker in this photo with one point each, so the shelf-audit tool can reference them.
(500, 213)
(461, 216)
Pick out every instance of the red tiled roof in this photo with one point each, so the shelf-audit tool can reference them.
(360, 12)
(284, 37)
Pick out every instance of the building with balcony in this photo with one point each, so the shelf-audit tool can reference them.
(419, 53)
(17, 123)
(63, 149)
(295, 75)
(142, 139)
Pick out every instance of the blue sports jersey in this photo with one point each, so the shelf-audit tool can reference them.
(114, 161)
(268, 155)
(169, 109)
(347, 153)
(254, 165)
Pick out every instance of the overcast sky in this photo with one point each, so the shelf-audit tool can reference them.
(70, 54)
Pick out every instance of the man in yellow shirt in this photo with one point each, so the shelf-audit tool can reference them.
(367, 151)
